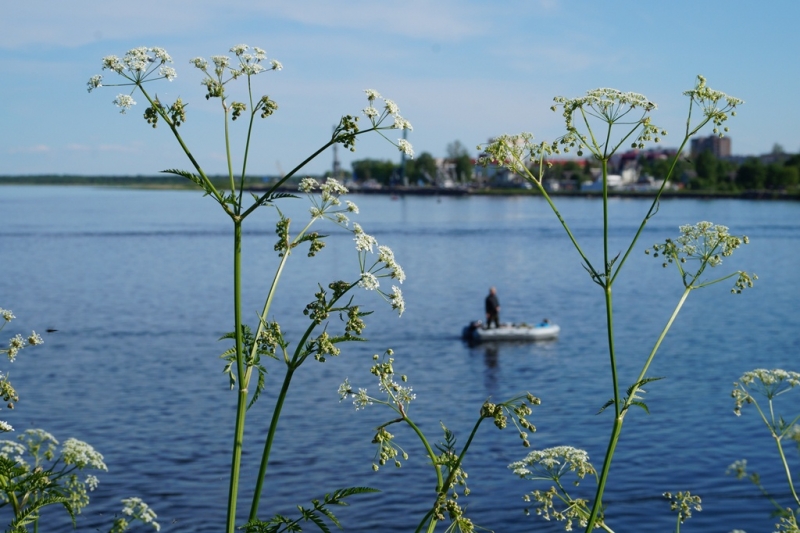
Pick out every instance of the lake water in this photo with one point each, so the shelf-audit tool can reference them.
(137, 283)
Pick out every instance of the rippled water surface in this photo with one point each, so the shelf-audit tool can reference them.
(137, 283)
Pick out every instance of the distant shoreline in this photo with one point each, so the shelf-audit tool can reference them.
(179, 183)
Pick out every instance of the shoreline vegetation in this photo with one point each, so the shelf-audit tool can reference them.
(180, 183)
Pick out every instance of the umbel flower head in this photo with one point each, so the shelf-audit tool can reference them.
(768, 383)
(716, 105)
(609, 106)
(137, 66)
(707, 244)
(515, 152)
(552, 463)
(379, 114)
(683, 503)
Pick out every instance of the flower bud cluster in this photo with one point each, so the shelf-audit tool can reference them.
(282, 230)
(448, 507)
(346, 132)
(517, 409)
(238, 108)
(7, 391)
(387, 450)
(322, 346)
(266, 106)
(354, 324)
(574, 509)
(318, 309)
(270, 338)
(716, 105)
(683, 503)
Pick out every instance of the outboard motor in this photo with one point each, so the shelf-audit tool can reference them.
(468, 333)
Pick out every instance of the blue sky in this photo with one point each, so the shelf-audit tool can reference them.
(458, 69)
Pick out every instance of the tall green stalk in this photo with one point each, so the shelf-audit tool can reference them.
(241, 403)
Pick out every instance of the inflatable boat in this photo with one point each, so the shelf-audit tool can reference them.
(476, 332)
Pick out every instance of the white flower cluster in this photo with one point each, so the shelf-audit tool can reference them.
(360, 398)
(769, 383)
(609, 106)
(364, 242)
(138, 510)
(384, 266)
(250, 62)
(329, 204)
(136, 66)
(82, 454)
(389, 109)
(397, 395)
(552, 463)
(512, 152)
(17, 342)
(706, 243)
(13, 450)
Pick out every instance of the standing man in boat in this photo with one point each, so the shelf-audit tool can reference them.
(492, 308)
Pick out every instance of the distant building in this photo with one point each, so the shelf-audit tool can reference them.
(719, 146)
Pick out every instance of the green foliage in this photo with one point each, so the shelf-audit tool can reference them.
(459, 156)
(782, 176)
(751, 175)
(375, 169)
(423, 168)
(316, 514)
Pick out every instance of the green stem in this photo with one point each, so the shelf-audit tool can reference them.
(618, 417)
(186, 151)
(237, 208)
(606, 266)
(786, 469)
(453, 470)
(560, 218)
(611, 351)
(661, 338)
(247, 142)
(292, 365)
(601, 484)
(652, 209)
(273, 426)
(292, 172)
(267, 304)
(424, 519)
(241, 406)
(431, 454)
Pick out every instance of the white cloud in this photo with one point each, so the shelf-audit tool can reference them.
(35, 149)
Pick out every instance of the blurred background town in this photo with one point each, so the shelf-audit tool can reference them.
(708, 167)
